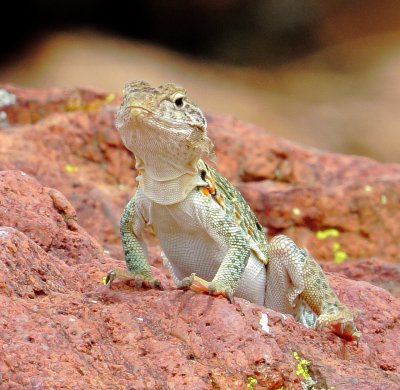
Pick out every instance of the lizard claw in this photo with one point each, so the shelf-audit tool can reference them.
(197, 284)
(194, 283)
(342, 325)
(186, 283)
(110, 277)
(140, 280)
(226, 292)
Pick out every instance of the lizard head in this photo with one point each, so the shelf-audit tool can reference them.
(164, 115)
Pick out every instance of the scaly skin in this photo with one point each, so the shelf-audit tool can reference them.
(135, 254)
(200, 217)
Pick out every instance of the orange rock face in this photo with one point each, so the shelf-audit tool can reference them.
(64, 179)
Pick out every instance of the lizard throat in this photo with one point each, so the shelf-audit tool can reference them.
(165, 182)
(171, 191)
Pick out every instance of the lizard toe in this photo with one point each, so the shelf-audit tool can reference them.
(109, 278)
(199, 285)
(226, 292)
(341, 325)
(186, 283)
(194, 283)
(140, 280)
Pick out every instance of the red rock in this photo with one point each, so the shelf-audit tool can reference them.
(27, 271)
(74, 147)
(46, 217)
(375, 271)
(60, 328)
(298, 191)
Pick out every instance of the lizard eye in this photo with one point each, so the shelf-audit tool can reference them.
(178, 101)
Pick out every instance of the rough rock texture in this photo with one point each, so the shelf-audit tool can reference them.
(297, 191)
(66, 139)
(60, 328)
(46, 217)
(376, 271)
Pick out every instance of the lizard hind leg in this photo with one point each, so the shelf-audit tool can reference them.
(296, 281)
(319, 295)
(285, 276)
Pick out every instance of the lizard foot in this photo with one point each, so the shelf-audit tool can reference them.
(140, 280)
(342, 324)
(197, 284)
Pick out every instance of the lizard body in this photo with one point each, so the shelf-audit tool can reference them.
(211, 239)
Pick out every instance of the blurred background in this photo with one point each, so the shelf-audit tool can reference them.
(325, 74)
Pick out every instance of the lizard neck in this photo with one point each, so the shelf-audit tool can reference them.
(164, 167)
(166, 159)
(168, 184)
(162, 153)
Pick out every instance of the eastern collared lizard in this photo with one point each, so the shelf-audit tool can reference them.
(211, 239)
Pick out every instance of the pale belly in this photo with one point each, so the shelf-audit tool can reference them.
(189, 248)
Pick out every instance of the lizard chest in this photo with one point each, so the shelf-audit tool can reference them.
(184, 235)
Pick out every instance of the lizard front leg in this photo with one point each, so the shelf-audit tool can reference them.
(229, 235)
(294, 276)
(131, 227)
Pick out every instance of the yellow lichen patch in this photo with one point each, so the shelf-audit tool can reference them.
(70, 168)
(76, 103)
(251, 382)
(93, 105)
(339, 254)
(302, 371)
(323, 234)
(73, 104)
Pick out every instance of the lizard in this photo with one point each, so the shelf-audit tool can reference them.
(210, 238)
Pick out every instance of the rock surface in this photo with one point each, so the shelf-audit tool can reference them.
(66, 139)
(298, 192)
(60, 328)
(46, 217)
